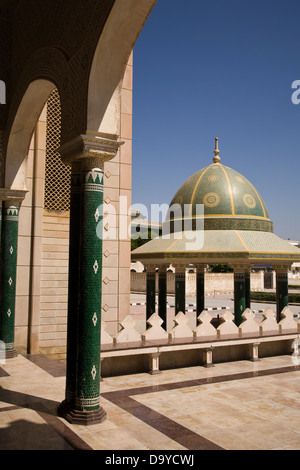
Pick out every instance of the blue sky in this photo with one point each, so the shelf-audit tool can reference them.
(219, 68)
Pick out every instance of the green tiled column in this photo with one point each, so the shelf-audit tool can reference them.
(200, 289)
(73, 286)
(9, 275)
(179, 289)
(162, 295)
(86, 154)
(239, 294)
(87, 400)
(282, 290)
(150, 291)
(248, 288)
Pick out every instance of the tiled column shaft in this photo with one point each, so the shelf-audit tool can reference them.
(9, 275)
(200, 289)
(180, 289)
(162, 295)
(248, 288)
(90, 283)
(282, 290)
(239, 294)
(150, 292)
(73, 284)
(86, 154)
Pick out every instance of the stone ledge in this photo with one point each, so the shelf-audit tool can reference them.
(148, 356)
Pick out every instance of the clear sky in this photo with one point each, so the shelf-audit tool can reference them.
(219, 68)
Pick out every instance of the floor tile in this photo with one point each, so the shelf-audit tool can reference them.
(238, 406)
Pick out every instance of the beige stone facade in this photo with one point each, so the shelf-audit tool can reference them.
(43, 252)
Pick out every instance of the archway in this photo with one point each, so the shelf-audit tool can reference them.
(18, 264)
(21, 132)
(119, 35)
(113, 51)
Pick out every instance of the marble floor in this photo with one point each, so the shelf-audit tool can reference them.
(232, 406)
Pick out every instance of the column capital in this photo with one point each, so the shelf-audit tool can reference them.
(200, 267)
(241, 268)
(162, 268)
(281, 268)
(12, 196)
(150, 268)
(96, 148)
(179, 268)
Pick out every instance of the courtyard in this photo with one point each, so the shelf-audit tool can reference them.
(232, 406)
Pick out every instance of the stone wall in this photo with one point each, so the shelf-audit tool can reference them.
(214, 283)
(54, 283)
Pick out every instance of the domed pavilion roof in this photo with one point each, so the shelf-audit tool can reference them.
(236, 226)
(230, 201)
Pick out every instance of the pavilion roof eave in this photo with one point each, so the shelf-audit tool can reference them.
(216, 258)
(220, 247)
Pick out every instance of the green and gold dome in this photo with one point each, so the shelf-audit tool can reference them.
(230, 201)
(234, 223)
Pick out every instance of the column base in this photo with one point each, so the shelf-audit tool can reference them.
(84, 418)
(11, 354)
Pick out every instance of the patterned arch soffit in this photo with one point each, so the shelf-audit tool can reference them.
(21, 132)
(117, 40)
(120, 33)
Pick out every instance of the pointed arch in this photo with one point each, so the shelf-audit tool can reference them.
(21, 132)
(111, 56)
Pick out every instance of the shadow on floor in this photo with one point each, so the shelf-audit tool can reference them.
(23, 434)
(24, 400)
(26, 435)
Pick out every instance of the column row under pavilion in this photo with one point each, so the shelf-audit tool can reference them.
(242, 289)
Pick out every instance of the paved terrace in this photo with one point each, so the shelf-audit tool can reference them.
(237, 405)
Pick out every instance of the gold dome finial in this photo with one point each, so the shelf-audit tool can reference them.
(217, 159)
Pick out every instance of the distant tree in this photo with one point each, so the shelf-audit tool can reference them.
(143, 239)
(221, 268)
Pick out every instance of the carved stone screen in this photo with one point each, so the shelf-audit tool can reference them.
(57, 174)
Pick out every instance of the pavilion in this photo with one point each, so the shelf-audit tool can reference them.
(216, 217)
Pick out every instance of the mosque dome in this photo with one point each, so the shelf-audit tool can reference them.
(229, 200)
(234, 224)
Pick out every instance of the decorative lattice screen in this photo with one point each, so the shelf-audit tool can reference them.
(57, 175)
